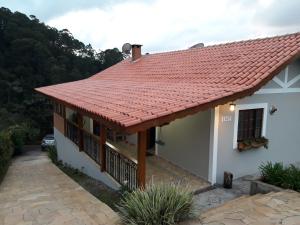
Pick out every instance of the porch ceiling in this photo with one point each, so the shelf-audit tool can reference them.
(159, 88)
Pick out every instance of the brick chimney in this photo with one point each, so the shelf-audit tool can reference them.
(136, 51)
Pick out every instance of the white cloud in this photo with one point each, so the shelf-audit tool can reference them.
(163, 25)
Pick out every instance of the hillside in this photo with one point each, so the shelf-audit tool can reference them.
(33, 54)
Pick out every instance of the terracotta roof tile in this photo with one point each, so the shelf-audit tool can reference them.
(161, 84)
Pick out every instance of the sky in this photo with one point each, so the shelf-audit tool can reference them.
(164, 25)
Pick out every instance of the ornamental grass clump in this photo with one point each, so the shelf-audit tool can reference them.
(278, 175)
(157, 205)
(272, 173)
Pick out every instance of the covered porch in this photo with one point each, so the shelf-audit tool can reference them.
(160, 170)
(132, 166)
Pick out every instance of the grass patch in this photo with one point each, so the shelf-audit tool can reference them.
(162, 204)
(285, 177)
(101, 191)
(105, 194)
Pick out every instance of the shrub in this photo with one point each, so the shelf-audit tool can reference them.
(52, 153)
(291, 180)
(285, 177)
(272, 173)
(6, 151)
(31, 133)
(18, 134)
(157, 205)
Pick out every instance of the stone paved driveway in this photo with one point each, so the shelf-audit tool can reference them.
(269, 209)
(35, 192)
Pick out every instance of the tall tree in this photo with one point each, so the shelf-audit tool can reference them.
(32, 55)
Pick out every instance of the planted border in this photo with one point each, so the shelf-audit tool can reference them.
(287, 177)
(6, 152)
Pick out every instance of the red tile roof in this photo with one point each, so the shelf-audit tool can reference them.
(158, 88)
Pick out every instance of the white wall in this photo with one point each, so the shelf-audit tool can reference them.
(282, 128)
(68, 152)
(132, 139)
(186, 143)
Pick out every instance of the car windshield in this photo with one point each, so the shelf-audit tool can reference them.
(49, 137)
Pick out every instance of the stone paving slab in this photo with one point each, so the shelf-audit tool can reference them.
(36, 192)
(270, 209)
(219, 195)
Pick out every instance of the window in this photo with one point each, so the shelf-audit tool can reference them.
(250, 121)
(250, 124)
(59, 109)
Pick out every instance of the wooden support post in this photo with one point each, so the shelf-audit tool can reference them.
(102, 147)
(141, 158)
(80, 131)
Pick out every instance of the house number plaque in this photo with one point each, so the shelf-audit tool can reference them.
(226, 119)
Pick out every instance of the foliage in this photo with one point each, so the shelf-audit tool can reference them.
(6, 151)
(95, 187)
(285, 177)
(157, 205)
(33, 54)
(253, 143)
(17, 134)
(272, 173)
(52, 153)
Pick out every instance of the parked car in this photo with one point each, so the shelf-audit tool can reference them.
(48, 141)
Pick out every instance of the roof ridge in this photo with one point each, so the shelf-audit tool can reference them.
(226, 43)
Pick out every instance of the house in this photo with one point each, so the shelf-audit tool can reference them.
(189, 114)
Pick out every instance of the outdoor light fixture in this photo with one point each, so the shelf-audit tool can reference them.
(273, 109)
(232, 107)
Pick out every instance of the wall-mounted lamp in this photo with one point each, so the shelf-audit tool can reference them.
(232, 107)
(273, 109)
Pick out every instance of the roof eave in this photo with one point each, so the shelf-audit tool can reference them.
(144, 125)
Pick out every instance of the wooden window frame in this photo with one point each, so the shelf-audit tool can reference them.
(250, 124)
(264, 106)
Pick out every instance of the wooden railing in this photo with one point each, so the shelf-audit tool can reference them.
(91, 146)
(72, 132)
(121, 168)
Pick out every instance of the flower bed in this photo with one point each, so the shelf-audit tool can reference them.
(287, 177)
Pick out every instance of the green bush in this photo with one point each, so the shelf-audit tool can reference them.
(18, 134)
(31, 133)
(52, 153)
(292, 178)
(157, 205)
(285, 177)
(6, 152)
